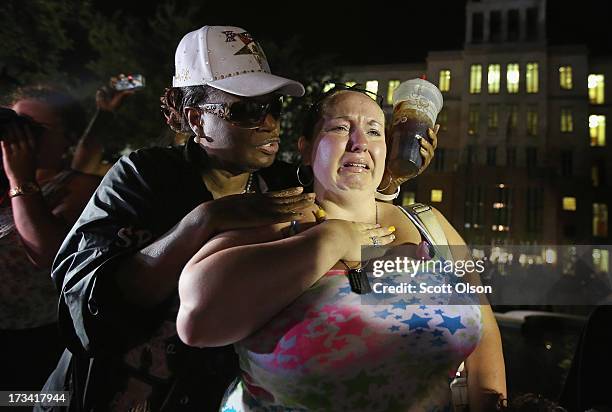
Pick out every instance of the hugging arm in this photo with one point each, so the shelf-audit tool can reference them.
(227, 295)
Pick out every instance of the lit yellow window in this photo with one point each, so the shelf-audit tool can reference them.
(596, 88)
(569, 203)
(445, 80)
(350, 84)
(531, 80)
(567, 120)
(475, 78)
(390, 89)
(597, 128)
(513, 76)
(372, 86)
(408, 198)
(436, 195)
(565, 77)
(601, 260)
(600, 219)
(328, 87)
(493, 77)
(532, 121)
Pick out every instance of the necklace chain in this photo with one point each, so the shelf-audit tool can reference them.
(249, 184)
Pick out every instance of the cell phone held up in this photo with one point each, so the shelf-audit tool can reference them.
(128, 82)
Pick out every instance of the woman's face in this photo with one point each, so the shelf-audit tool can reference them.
(52, 143)
(347, 151)
(237, 148)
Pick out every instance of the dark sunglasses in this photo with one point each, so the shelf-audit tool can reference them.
(247, 114)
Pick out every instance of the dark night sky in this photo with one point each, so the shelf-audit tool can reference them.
(365, 33)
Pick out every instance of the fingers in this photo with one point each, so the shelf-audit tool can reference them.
(433, 135)
(379, 236)
(293, 207)
(310, 197)
(6, 149)
(293, 191)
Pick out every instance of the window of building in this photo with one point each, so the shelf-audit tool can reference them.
(567, 163)
(477, 27)
(511, 156)
(470, 157)
(502, 205)
(596, 88)
(531, 157)
(513, 25)
(595, 175)
(372, 86)
(495, 26)
(532, 120)
(390, 89)
(569, 203)
(534, 210)
(567, 120)
(597, 128)
(439, 160)
(598, 172)
(475, 78)
(565, 78)
(601, 260)
(600, 219)
(491, 156)
(328, 87)
(474, 204)
(511, 119)
(442, 119)
(513, 77)
(408, 198)
(531, 78)
(473, 119)
(493, 78)
(436, 195)
(532, 23)
(492, 118)
(444, 83)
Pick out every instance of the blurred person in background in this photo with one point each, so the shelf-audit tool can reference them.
(42, 199)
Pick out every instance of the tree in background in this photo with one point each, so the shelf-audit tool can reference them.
(75, 44)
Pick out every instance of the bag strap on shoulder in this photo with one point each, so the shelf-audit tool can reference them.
(426, 221)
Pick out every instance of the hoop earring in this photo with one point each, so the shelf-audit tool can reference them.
(297, 173)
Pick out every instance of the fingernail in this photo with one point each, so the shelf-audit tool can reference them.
(418, 137)
(377, 225)
(391, 228)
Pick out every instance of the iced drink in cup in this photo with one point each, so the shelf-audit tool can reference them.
(416, 104)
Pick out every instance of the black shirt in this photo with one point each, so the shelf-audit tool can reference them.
(121, 354)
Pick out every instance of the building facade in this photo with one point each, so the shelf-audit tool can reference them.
(524, 153)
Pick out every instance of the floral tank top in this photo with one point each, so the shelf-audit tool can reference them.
(334, 350)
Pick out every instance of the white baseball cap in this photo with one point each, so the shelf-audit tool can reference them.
(227, 58)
